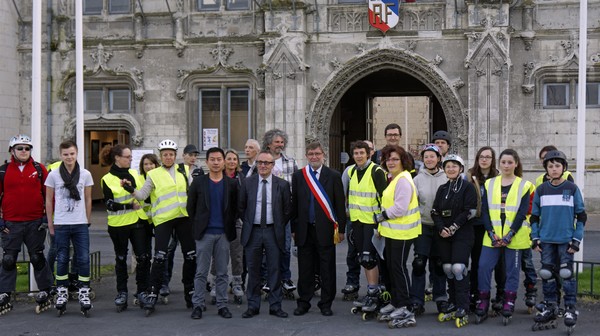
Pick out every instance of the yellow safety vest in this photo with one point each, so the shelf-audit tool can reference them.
(518, 189)
(120, 195)
(542, 178)
(53, 166)
(405, 227)
(362, 196)
(169, 198)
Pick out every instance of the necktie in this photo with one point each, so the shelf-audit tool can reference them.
(311, 205)
(263, 205)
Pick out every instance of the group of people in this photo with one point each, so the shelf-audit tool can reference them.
(466, 224)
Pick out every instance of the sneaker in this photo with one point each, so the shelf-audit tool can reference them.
(288, 285)
(197, 313)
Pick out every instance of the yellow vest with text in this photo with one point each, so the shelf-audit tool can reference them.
(542, 178)
(405, 227)
(518, 189)
(120, 195)
(169, 197)
(362, 196)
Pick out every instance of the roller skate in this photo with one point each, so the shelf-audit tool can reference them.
(483, 305)
(147, 302)
(350, 292)
(417, 309)
(121, 301)
(5, 305)
(446, 311)
(237, 290)
(384, 313)
(84, 301)
(461, 318)
(545, 318)
(73, 286)
(317, 285)
(369, 305)
(188, 292)
(163, 294)
(62, 297)
(530, 296)
(402, 318)
(509, 307)
(497, 303)
(570, 318)
(429, 293)
(287, 289)
(265, 289)
(43, 301)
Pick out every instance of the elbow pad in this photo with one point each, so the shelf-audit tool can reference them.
(582, 217)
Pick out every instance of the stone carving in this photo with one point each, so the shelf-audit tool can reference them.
(348, 20)
(63, 8)
(410, 63)
(459, 83)
(291, 75)
(221, 54)
(411, 45)
(437, 60)
(480, 72)
(100, 58)
(497, 71)
(361, 48)
(316, 86)
(110, 120)
(424, 16)
(289, 46)
(276, 75)
(137, 140)
(260, 93)
(335, 64)
(595, 58)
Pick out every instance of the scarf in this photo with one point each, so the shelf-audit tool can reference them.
(71, 180)
(122, 173)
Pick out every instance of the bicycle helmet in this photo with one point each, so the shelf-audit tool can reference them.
(167, 144)
(20, 139)
(442, 135)
(455, 158)
(557, 156)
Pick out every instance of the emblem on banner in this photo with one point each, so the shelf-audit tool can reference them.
(383, 14)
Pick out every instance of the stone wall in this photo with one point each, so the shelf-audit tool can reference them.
(9, 76)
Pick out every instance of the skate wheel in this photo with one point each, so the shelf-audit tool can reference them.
(86, 313)
(441, 317)
(38, 309)
(354, 310)
(365, 316)
(92, 295)
(391, 324)
(147, 312)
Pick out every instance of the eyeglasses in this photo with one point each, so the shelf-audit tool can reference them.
(392, 160)
(125, 157)
(264, 163)
(23, 148)
(486, 157)
(314, 154)
(393, 135)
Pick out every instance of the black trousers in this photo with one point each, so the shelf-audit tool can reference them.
(313, 258)
(137, 234)
(396, 255)
(456, 251)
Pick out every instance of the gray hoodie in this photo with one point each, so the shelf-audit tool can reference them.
(427, 186)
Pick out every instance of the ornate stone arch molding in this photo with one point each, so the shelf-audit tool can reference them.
(375, 60)
(108, 122)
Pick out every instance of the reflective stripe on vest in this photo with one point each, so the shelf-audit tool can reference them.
(517, 190)
(362, 196)
(120, 195)
(405, 227)
(542, 178)
(169, 197)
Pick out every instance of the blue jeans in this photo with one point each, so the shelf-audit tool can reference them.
(79, 236)
(555, 257)
(528, 268)
(487, 262)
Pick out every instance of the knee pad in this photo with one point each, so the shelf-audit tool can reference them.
(566, 271)
(459, 271)
(448, 270)
(121, 258)
(160, 257)
(546, 272)
(9, 262)
(191, 255)
(367, 260)
(141, 259)
(37, 260)
(418, 264)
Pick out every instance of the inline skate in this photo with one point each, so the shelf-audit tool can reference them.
(350, 292)
(545, 318)
(237, 289)
(84, 301)
(43, 301)
(570, 318)
(402, 318)
(5, 305)
(287, 289)
(530, 297)
(497, 303)
(368, 305)
(164, 293)
(446, 311)
(482, 307)
(147, 302)
(188, 292)
(121, 301)
(417, 308)
(62, 297)
(509, 306)
(461, 318)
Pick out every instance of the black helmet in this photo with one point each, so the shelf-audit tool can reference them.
(556, 155)
(442, 135)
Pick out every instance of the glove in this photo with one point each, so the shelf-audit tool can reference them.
(452, 229)
(506, 239)
(129, 188)
(574, 245)
(535, 244)
(493, 237)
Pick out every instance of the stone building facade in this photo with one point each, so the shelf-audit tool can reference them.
(496, 72)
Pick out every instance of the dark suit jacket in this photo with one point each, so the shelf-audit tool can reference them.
(332, 183)
(198, 205)
(281, 206)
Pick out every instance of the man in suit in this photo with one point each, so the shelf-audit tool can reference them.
(313, 228)
(212, 207)
(264, 204)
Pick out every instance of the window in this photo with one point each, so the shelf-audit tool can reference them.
(95, 7)
(209, 5)
(226, 110)
(556, 95)
(592, 94)
(119, 100)
(238, 4)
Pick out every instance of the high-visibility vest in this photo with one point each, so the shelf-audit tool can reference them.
(405, 227)
(542, 178)
(362, 196)
(169, 198)
(518, 189)
(53, 166)
(120, 195)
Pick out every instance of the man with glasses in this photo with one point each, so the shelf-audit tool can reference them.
(393, 135)
(22, 196)
(264, 203)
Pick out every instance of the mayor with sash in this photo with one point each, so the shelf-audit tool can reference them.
(318, 202)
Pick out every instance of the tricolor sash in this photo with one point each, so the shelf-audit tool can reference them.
(321, 197)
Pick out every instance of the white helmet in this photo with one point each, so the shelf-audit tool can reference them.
(455, 158)
(167, 144)
(20, 139)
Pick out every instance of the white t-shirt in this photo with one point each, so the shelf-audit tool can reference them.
(67, 211)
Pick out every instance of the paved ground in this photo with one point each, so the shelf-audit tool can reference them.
(173, 319)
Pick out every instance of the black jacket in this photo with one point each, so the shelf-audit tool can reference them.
(455, 202)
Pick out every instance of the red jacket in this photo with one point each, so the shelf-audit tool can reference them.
(22, 199)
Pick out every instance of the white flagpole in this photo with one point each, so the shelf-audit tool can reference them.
(79, 81)
(36, 79)
(581, 105)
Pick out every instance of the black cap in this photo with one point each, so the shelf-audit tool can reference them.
(190, 149)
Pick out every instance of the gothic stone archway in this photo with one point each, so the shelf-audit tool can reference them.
(318, 123)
